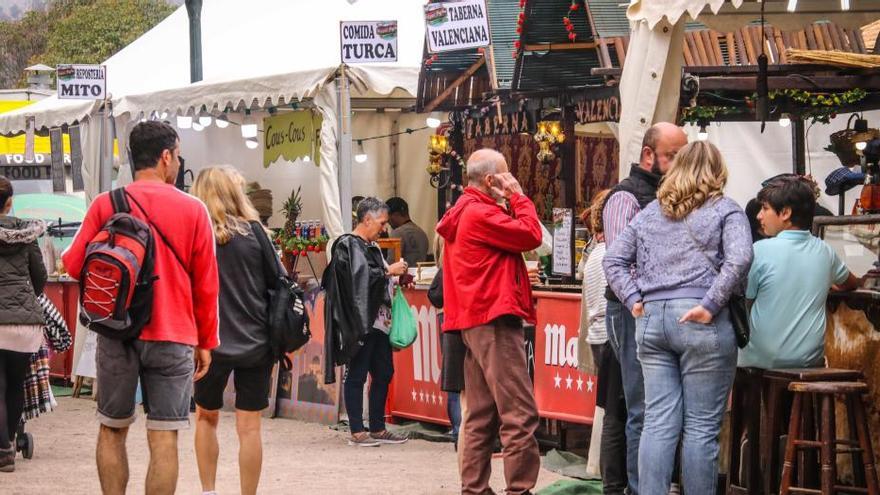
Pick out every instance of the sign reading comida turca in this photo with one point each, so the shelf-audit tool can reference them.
(457, 25)
(81, 82)
(368, 41)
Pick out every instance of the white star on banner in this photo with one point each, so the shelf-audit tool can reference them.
(414, 395)
(556, 380)
(580, 382)
(421, 396)
(440, 399)
(589, 384)
(433, 398)
(568, 382)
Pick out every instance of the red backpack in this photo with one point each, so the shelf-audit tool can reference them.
(116, 283)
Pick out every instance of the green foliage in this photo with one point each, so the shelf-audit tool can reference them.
(74, 31)
(818, 107)
(692, 115)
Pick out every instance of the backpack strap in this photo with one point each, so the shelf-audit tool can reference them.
(119, 201)
(270, 261)
(147, 218)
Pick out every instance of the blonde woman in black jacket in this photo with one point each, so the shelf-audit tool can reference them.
(22, 277)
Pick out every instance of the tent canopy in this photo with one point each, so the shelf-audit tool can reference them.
(270, 48)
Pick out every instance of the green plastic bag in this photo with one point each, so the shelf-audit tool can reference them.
(404, 329)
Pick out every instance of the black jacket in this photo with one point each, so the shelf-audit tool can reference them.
(22, 273)
(435, 292)
(355, 288)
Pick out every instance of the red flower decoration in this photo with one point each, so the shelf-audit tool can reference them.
(574, 7)
(566, 21)
(517, 44)
(569, 28)
(481, 51)
(522, 4)
(572, 36)
(522, 15)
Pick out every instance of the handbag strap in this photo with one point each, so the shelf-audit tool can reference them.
(269, 258)
(700, 247)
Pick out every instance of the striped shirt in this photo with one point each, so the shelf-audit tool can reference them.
(619, 211)
(593, 300)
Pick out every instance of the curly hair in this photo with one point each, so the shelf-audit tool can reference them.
(697, 175)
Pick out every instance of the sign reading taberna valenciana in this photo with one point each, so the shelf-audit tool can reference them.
(457, 25)
(81, 82)
(368, 41)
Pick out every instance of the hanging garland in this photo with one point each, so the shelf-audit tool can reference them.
(566, 21)
(692, 115)
(520, 26)
(819, 107)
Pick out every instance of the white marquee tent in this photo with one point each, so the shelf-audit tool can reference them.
(261, 54)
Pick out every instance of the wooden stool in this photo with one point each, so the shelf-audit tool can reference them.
(758, 407)
(860, 447)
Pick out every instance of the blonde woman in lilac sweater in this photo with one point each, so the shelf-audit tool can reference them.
(675, 267)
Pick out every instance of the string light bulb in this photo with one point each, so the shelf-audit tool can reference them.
(432, 122)
(198, 127)
(703, 134)
(184, 122)
(205, 118)
(251, 143)
(360, 155)
(222, 121)
(785, 120)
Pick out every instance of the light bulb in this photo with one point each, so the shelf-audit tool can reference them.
(703, 135)
(432, 122)
(198, 127)
(205, 119)
(164, 115)
(184, 121)
(251, 143)
(861, 145)
(249, 130)
(306, 158)
(360, 155)
(785, 120)
(222, 121)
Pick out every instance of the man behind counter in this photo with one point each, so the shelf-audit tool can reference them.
(414, 241)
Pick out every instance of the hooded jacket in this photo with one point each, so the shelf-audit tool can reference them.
(484, 273)
(355, 288)
(22, 273)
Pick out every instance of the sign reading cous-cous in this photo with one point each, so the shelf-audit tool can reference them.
(457, 25)
(368, 41)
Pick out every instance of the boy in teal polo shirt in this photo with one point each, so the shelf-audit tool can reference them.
(789, 281)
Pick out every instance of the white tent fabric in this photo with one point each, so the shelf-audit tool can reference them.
(725, 16)
(657, 29)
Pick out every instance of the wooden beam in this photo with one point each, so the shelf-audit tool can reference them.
(621, 51)
(449, 89)
(550, 47)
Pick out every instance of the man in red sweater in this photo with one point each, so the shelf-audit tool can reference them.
(183, 327)
(487, 296)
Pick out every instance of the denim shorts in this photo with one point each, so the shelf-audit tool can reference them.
(165, 371)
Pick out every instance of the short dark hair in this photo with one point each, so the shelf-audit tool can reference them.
(147, 142)
(370, 206)
(397, 205)
(5, 190)
(791, 193)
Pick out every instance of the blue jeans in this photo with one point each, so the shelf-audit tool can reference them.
(373, 358)
(689, 369)
(453, 410)
(622, 337)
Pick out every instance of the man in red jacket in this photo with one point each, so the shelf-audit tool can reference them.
(184, 315)
(487, 296)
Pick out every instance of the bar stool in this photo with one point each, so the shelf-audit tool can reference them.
(764, 421)
(829, 446)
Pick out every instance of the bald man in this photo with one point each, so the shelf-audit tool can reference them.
(487, 296)
(631, 195)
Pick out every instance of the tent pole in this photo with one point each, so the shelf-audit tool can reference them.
(798, 147)
(194, 11)
(343, 108)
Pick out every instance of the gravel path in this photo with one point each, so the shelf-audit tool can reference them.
(298, 458)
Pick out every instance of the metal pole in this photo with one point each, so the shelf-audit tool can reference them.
(194, 9)
(343, 92)
(798, 147)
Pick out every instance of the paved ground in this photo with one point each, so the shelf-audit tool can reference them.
(298, 458)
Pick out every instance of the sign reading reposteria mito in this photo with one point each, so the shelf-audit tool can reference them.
(81, 82)
(457, 25)
(368, 41)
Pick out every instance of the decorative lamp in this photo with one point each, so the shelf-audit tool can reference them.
(549, 135)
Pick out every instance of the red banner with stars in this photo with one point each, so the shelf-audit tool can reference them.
(415, 390)
(562, 391)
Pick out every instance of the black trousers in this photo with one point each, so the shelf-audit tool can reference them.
(612, 454)
(373, 358)
(13, 370)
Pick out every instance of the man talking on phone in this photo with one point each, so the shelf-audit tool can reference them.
(487, 296)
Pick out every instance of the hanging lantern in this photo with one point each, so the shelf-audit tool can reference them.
(548, 136)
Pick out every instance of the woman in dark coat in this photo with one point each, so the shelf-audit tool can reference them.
(22, 277)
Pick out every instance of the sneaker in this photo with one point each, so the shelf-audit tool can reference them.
(363, 439)
(7, 460)
(386, 436)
